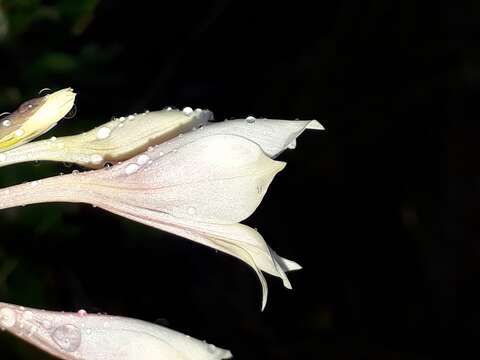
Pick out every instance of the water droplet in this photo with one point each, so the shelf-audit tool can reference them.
(191, 210)
(250, 119)
(131, 117)
(45, 91)
(27, 315)
(82, 313)
(131, 169)
(96, 159)
(19, 132)
(142, 159)
(168, 108)
(46, 324)
(6, 123)
(103, 132)
(75, 172)
(53, 139)
(5, 114)
(121, 118)
(88, 331)
(68, 337)
(212, 348)
(3, 157)
(293, 144)
(7, 318)
(187, 110)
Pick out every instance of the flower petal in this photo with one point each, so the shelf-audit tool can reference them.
(238, 240)
(273, 136)
(82, 336)
(216, 179)
(34, 117)
(115, 141)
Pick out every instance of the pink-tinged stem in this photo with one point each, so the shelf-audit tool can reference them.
(66, 188)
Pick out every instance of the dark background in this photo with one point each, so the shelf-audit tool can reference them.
(381, 209)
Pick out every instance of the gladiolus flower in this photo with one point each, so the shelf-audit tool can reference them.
(82, 336)
(34, 118)
(118, 140)
(198, 186)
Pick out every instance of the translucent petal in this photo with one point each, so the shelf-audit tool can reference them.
(273, 136)
(73, 336)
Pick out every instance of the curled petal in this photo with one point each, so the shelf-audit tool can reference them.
(33, 118)
(117, 140)
(82, 336)
(238, 240)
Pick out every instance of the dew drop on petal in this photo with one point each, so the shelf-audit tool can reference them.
(19, 132)
(96, 159)
(191, 210)
(250, 119)
(45, 91)
(103, 132)
(131, 169)
(82, 313)
(7, 318)
(142, 159)
(68, 337)
(131, 117)
(293, 144)
(6, 123)
(187, 110)
(46, 324)
(5, 113)
(28, 315)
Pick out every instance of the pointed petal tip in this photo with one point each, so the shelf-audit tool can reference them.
(293, 266)
(315, 125)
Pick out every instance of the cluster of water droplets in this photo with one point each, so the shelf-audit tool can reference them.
(140, 162)
(65, 332)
